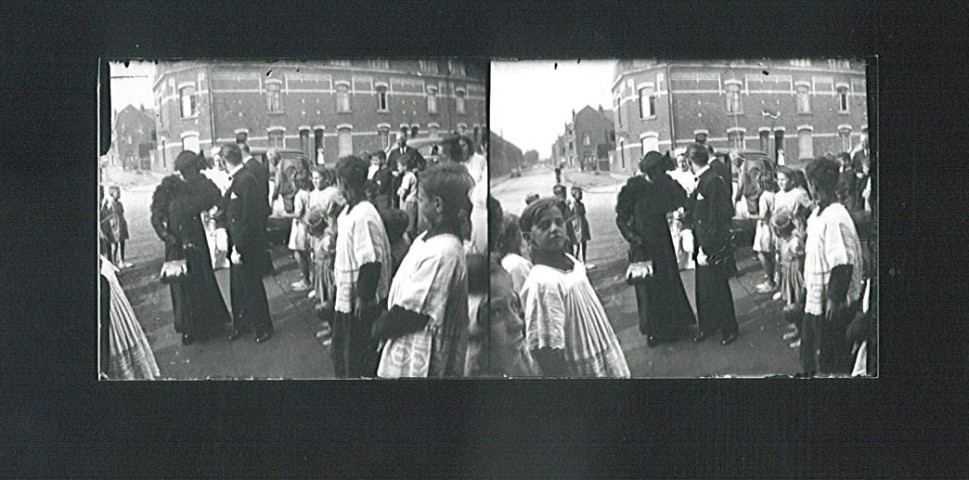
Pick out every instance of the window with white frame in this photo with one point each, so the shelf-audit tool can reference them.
(734, 105)
(187, 96)
(382, 103)
(842, 99)
(803, 99)
(459, 102)
(343, 98)
(619, 111)
(805, 143)
(650, 144)
(432, 100)
(383, 134)
(340, 63)
(736, 139)
(191, 142)
(345, 142)
(458, 69)
(844, 135)
(274, 97)
(277, 139)
(434, 130)
(764, 140)
(647, 102)
(384, 64)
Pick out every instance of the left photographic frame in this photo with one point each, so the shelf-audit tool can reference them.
(286, 189)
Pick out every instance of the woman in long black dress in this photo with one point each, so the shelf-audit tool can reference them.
(176, 209)
(664, 310)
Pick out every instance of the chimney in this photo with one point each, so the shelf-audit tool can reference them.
(600, 108)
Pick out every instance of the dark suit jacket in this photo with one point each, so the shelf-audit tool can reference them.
(245, 208)
(261, 172)
(723, 170)
(709, 211)
(395, 156)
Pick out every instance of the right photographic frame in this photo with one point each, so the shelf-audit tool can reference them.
(684, 218)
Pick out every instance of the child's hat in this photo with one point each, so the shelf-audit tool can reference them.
(316, 220)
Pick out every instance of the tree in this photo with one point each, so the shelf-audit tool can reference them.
(530, 157)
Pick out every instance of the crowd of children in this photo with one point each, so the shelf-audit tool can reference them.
(809, 237)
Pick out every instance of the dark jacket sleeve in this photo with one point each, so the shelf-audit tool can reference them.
(247, 216)
(676, 197)
(398, 322)
(625, 208)
(839, 283)
(159, 212)
(367, 280)
(711, 222)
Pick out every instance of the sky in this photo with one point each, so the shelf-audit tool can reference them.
(532, 100)
(131, 85)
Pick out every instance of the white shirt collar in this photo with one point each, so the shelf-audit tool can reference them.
(235, 169)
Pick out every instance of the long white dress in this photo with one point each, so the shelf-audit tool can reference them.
(563, 312)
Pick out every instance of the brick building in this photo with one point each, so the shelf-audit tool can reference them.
(587, 139)
(805, 107)
(134, 138)
(341, 106)
(502, 155)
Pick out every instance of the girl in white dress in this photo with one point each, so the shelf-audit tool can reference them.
(424, 332)
(566, 325)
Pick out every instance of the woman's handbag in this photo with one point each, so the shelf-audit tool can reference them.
(639, 273)
(173, 271)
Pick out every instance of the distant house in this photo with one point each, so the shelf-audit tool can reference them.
(503, 156)
(135, 137)
(595, 136)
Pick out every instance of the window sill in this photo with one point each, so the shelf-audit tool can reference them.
(191, 117)
(735, 114)
(651, 117)
(275, 113)
(845, 112)
(805, 113)
(346, 112)
(383, 111)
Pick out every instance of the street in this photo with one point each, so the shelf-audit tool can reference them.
(759, 351)
(293, 352)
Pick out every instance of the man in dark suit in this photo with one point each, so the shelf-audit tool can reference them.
(722, 169)
(261, 172)
(245, 212)
(709, 210)
(397, 159)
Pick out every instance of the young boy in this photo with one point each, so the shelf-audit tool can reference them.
(559, 191)
(580, 224)
(119, 226)
(361, 273)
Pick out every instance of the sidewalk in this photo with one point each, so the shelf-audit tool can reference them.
(292, 353)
